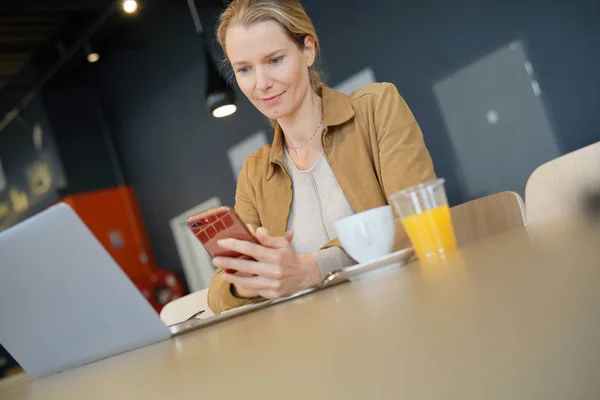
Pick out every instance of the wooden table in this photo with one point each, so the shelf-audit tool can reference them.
(501, 319)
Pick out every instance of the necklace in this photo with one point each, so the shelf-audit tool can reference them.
(296, 148)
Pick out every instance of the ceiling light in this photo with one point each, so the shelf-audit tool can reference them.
(220, 98)
(90, 54)
(93, 57)
(224, 111)
(130, 6)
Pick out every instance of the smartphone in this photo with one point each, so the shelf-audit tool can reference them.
(216, 224)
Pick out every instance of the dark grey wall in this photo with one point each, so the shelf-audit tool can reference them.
(175, 152)
(81, 135)
(20, 158)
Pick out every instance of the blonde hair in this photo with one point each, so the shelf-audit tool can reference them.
(288, 13)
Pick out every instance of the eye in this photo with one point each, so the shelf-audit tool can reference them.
(242, 70)
(276, 60)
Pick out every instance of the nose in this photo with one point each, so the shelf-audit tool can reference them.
(263, 80)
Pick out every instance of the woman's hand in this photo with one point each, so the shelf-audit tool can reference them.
(278, 270)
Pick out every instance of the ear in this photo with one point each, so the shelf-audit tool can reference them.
(310, 50)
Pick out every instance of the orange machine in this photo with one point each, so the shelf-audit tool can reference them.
(113, 216)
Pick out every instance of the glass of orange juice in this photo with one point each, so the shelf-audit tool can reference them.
(426, 218)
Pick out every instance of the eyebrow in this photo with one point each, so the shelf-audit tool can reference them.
(271, 54)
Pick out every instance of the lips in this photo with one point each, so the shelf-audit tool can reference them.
(271, 100)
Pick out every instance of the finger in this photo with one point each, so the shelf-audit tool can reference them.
(251, 228)
(257, 283)
(273, 242)
(238, 273)
(289, 235)
(254, 250)
(270, 294)
(249, 268)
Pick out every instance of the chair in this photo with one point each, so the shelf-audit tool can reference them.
(185, 307)
(556, 188)
(487, 216)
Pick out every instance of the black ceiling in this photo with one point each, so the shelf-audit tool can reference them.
(37, 29)
(28, 26)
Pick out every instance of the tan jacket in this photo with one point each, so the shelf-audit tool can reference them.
(374, 147)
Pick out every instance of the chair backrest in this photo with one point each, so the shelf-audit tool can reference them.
(487, 216)
(183, 308)
(556, 188)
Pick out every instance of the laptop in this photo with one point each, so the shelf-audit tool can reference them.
(64, 301)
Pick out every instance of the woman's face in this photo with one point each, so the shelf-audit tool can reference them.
(270, 69)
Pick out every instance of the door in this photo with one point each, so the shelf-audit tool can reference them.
(197, 263)
(496, 121)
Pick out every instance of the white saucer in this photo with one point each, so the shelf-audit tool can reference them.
(362, 270)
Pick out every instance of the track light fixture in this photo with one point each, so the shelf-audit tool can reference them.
(90, 54)
(130, 6)
(220, 99)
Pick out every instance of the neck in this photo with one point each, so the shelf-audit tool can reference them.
(301, 125)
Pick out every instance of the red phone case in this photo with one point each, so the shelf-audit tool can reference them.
(216, 224)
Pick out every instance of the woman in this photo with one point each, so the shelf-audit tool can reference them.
(332, 155)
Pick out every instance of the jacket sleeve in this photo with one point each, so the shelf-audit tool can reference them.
(401, 159)
(220, 297)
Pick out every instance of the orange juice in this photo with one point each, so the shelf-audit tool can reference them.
(431, 232)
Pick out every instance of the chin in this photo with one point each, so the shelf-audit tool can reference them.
(276, 112)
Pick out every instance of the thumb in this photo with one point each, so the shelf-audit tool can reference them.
(270, 241)
(251, 228)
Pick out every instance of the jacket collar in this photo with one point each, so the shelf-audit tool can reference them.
(336, 111)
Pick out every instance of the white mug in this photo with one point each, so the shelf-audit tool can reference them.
(368, 235)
